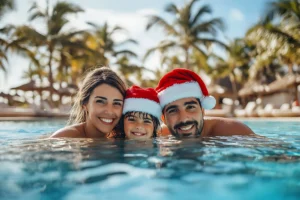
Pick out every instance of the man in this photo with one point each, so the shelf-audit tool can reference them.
(184, 97)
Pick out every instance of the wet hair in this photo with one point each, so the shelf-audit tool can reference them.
(94, 78)
(155, 120)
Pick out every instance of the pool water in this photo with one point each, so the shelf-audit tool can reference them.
(33, 167)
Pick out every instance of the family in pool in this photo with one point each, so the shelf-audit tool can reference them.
(105, 107)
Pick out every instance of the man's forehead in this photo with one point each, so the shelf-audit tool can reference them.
(181, 102)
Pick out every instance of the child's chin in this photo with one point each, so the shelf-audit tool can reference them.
(144, 137)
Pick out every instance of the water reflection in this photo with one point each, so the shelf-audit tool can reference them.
(52, 168)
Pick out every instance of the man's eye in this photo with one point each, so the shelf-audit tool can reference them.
(191, 107)
(172, 111)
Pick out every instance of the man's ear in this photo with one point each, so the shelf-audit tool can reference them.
(163, 118)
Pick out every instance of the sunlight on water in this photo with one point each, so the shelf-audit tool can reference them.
(263, 167)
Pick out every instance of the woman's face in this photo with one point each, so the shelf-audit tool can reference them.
(138, 126)
(104, 108)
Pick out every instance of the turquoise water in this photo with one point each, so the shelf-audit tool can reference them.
(32, 167)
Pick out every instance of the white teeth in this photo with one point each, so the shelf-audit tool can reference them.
(106, 120)
(138, 134)
(185, 128)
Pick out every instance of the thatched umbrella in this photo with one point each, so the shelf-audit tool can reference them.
(67, 91)
(217, 91)
(284, 83)
(31, 86)
(4, 95)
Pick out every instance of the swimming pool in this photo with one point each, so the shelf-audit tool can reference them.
(213, 168)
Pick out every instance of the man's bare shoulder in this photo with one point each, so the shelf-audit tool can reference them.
(217, 126)
(74, 131)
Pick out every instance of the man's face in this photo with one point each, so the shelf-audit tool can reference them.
(184, 117)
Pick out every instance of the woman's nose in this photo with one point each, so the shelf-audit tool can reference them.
(109, 109)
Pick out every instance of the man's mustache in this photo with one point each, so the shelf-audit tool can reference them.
(185, 124)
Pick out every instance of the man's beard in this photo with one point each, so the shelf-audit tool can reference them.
(198, 130)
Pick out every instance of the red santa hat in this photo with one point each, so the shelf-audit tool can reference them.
(182, 83)
(142, 100)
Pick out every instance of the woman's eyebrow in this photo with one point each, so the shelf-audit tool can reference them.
(118, 100)
(100, 97)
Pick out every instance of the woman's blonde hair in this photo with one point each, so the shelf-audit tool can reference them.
(94, 78)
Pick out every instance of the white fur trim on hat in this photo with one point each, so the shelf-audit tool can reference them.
(185, 90)
(142, 105)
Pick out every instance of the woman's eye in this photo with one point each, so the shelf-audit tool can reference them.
(99, 101)
(118, 104)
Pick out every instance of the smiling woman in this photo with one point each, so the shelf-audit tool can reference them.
(98, 106)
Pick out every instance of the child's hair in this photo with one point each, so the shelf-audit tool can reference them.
(94, 78)
(156, 123)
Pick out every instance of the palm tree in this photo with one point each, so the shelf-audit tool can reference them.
(54, 38)
(104, 44)
(188, 31)
(5, 6)
(55, 21)
(278, 34)
(237, 58)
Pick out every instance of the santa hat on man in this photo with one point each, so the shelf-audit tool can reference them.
(144, 100)
(182, 83)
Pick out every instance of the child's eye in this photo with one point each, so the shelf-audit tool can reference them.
(130, 118)
(148, 121)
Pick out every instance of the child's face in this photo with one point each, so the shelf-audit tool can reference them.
(138, 126)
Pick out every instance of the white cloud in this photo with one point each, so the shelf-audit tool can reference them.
(236, 14)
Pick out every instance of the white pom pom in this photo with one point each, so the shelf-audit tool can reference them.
(208, 102)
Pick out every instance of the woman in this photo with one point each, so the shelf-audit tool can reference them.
(98, 106)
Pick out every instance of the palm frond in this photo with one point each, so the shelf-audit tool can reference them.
(156, 20)
(206, 9)
(172, 8)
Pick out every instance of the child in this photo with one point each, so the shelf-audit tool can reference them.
(141, 113)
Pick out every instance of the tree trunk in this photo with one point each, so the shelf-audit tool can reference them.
(187, 60)
(234, 90)
(51, 82)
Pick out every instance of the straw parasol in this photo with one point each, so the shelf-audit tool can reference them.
(31, 86)
(283, 83)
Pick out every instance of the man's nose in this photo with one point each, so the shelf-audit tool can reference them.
(183, 116)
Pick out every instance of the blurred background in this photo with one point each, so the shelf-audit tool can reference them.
(248, 53)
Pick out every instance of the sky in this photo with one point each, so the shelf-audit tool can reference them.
(238, 16)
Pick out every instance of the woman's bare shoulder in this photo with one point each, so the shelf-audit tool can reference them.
(74, 131)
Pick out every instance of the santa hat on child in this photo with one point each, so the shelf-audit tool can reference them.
(142, 100)
(182, 83)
